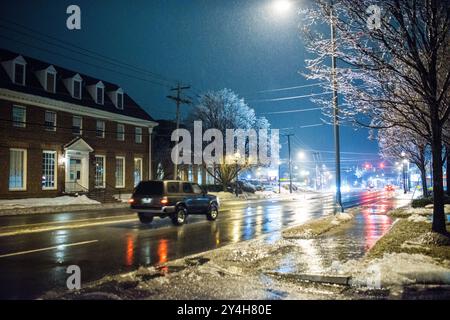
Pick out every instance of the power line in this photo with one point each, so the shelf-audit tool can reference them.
(93, 54)
(84, 62)
(100, 57)
(292, 111)
(293, 97)
(292, 88)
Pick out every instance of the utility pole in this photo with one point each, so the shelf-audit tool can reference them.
(178, 101)
(316, 156)
(290, 160)
(335, 113)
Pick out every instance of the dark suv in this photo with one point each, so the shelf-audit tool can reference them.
(174, 199)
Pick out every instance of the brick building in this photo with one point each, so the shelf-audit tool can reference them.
(64, 132)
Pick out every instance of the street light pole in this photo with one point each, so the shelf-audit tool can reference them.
(335, 113)
(290, 161)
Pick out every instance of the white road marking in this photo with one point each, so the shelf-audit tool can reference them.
(47, 249)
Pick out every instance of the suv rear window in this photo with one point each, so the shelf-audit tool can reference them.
(172, 187)
(187, 188)
(150, 188)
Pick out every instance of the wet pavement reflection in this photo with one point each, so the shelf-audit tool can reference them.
(350, 241)
(102, 250)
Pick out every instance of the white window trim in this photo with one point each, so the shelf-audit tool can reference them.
(24, 72)
(123, 132)
(103, 130)
(24, 123)
(81, 124)
(25, 156)
(140, 135)
(47, 72)
(55, 169)
(123, 175)
(142, 169)
(53, 129)
(73, 88)
(104, 172)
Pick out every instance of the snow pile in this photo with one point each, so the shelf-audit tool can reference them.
(431, 238)
(417, 218)
(397, 269)
(44, 202)
(341, 217)
(224, 196)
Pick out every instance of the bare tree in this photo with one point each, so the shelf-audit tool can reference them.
(224, 110)
(396, 74)
(394, 142)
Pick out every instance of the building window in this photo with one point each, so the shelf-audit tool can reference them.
(19, 116)
(100, 176)
(77, 125)
(50, 121)
(137, 171)
(138, 135)
(49, 170)
(17, 169)
(77, 89)
(51, 82)
(120, 132)
(120, 172)
(120, 100)
(19, 73)
(99, 95)
(100, 129)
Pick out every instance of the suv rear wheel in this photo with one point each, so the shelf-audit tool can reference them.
(179, 217)
(145, 218)
(212, 213)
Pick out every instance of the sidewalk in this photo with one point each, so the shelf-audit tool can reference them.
(53, 205)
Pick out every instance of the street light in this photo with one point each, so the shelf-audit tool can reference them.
(282, 6)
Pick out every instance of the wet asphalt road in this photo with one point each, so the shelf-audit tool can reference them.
(36, 250)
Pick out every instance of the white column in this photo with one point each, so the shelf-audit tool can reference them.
(150, 130)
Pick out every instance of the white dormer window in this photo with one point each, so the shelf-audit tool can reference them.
(119, 98)
(47, 78)
(16, 69)
(74, 86)
(99, 93)
(50, 81)
(76, 89)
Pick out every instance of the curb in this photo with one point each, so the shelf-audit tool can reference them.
(343, 280)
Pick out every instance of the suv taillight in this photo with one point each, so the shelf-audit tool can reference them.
(164, 200)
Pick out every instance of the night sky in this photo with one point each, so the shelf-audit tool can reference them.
(209, 44)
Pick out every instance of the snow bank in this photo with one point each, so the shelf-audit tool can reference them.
(397, 269)
(418, 218)
(44, 202)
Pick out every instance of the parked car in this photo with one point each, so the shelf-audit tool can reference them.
(173, 199)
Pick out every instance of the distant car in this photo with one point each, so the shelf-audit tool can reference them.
(173, 199)
(389, 187)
